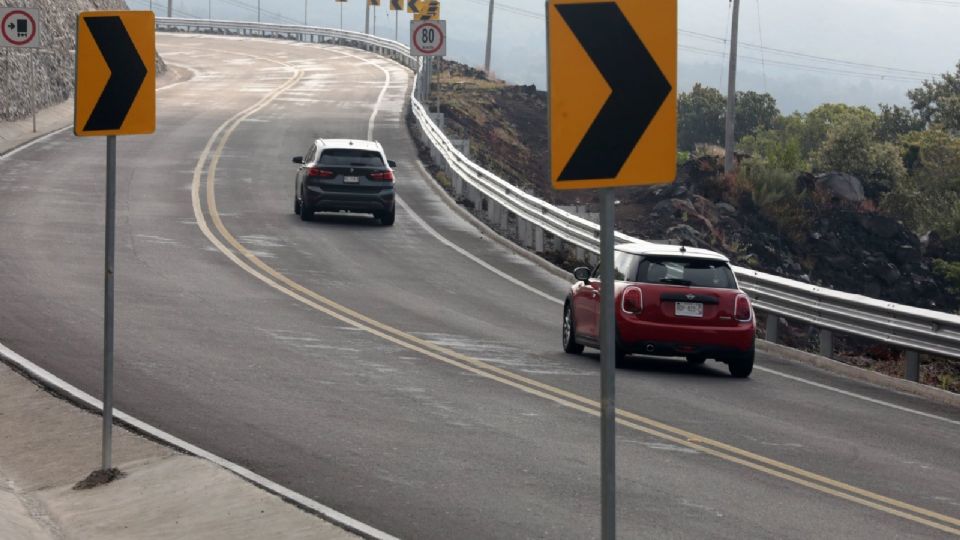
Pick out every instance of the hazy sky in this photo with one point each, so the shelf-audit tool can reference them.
(918, 38)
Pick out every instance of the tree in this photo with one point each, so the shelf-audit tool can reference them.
(812, 128)
(851, 146)
(896, 121)
(778, 147)
(938, 101)
(755, 111)
(700, 117)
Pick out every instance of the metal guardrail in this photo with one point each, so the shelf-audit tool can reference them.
(540, 226)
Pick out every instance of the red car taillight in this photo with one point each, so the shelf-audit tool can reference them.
(382, 176)
(320, 173)
(632, 300)
(741, 310)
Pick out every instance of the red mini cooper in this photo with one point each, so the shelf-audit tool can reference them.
(670, 301)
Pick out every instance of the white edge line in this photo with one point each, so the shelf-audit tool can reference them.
(420, 221)
(857, 396)
(40, 139)
(52, 381)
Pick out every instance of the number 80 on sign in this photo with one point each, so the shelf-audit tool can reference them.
(428, 38)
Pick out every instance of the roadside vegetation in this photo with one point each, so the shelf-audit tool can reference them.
(857, 199)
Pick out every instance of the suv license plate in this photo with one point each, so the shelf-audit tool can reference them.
(689, 309)
(351, 179)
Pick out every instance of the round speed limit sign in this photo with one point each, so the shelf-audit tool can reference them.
(428, 38)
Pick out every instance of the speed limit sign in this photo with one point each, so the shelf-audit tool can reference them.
(428, 38)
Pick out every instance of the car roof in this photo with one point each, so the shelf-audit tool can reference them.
(349, 143)
(669, 250)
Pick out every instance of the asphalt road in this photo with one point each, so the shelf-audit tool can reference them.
(412, 377)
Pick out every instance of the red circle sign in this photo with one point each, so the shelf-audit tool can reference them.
(8, 37)
(428, 29)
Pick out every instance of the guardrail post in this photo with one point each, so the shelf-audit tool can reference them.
(538, 239)
(772, 327)
(492, 210)
(826, 343)
(504, 219)
(912, 371)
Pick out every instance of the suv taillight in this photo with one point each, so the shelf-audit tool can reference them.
(632, 300)
(320, 173)
(741, 310)
(382, 176)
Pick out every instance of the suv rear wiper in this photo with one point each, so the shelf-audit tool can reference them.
(677, 281)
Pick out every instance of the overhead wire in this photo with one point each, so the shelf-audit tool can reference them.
(763, 63)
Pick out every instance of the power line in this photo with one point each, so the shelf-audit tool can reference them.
(806, 67)
(763, 64)
(824, 59)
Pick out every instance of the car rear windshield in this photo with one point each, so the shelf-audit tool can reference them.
(686, 271)
(349, 157)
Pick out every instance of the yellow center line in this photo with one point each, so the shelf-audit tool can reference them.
(706, 445)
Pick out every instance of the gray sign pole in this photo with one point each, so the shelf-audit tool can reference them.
(108, 300)
(608, 480)
(33, 89)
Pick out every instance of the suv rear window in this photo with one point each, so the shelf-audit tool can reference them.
(349, 157)
(686, 271)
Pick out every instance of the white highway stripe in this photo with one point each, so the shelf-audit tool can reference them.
(420, 221)
(858, 396)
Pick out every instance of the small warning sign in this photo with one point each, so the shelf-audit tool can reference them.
(19, 27)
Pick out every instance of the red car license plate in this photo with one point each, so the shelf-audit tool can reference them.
(689, 309)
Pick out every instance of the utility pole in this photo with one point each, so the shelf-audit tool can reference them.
(169, 8)
(366, 19)
(304, 12)
(486, 58)
(731, 93)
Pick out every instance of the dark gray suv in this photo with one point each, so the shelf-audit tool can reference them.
(345, 175)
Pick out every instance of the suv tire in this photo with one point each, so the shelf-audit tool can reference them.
(387, 218)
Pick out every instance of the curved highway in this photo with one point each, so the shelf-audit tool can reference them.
(411, 376)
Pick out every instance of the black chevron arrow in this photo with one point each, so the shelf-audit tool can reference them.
(127, 73)
(638, 89)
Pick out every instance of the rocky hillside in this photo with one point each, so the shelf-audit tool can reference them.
(821, 230)
(52, 64)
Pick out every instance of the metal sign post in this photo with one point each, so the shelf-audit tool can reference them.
(608, 367)
(108, 271)
(121, 44)
(618, 58)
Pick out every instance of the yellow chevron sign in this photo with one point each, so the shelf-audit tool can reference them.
(424, 10)
(373, 2)
(396, 5)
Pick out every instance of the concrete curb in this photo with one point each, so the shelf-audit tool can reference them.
(857, 373)
(74, 395)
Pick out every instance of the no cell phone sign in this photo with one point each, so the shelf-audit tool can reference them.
(428, 38)
(19, 28)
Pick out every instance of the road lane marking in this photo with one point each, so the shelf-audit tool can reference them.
(420, 221)
(283, 284)
(858, 396)
(43, 138)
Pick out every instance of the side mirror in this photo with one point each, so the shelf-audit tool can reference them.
(391, 163)
(298, 159)
(582, 274)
